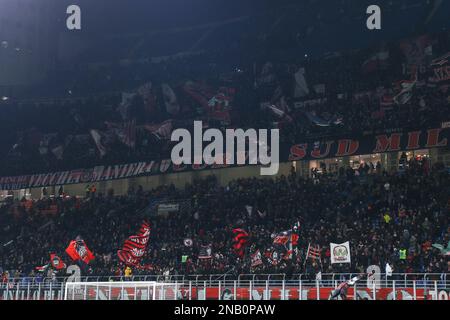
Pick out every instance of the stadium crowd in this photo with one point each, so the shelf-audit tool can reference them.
(386, 87)
(124, 111)
(381, 214)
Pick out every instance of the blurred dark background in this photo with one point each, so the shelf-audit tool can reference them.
(36, 44)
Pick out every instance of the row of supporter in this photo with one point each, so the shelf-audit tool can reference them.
(281, 225)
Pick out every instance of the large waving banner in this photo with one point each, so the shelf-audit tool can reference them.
(340, 253)
(135, 247)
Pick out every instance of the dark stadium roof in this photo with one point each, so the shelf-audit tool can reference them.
(131, 29)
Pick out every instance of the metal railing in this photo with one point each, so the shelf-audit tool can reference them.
(274, 289)
(326, 278)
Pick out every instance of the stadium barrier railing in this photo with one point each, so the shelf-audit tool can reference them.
(419, 286)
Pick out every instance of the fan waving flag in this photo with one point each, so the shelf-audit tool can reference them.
(313, 252)
(240, 241)
(57, 262)
(286, 242)
(135, 242)
(128, 259)
(135, 246)
(256, 259)
(78, 251)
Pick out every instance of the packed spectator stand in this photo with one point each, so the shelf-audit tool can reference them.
(123, 111)
(379, 213)
(386, 87)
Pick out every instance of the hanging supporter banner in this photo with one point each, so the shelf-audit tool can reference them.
(301, 86)
(395, 141)
(168, 208)
(340, 253)
(256, 259)
(441, 70)
(170, 99)
(205, 252)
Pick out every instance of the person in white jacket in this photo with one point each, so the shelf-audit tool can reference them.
(388, 270)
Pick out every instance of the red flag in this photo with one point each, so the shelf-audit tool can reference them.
(313, 252)
(57, 262)
(77, 250)
(240, 241)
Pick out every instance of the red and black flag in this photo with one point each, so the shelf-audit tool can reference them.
(313, 252)
(79, 251)
(282, 239)
(56, 262)
(286, 242)
(240, 241)
(135, 246)
(286, 239)
(127, 258)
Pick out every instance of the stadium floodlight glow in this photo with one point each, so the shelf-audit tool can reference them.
(5, 98)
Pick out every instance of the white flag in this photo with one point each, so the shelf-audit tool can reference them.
(301, 87)
(340, 253)
(249, 210)
(96, 135)
(127, 99)
(170, 99)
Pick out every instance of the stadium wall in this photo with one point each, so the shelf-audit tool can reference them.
(389, 162)
(224, 176)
